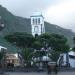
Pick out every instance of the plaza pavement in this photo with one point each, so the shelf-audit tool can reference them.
(39, 73)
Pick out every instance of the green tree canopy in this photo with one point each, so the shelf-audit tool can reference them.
(20, 39)
(55, 41)
(73, 49)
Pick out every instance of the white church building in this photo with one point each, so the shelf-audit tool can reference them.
(37, 24)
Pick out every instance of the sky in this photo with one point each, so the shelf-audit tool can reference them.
(59, 12)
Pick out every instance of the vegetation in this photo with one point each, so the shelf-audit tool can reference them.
(73, 49)
(54, 56)
(57, 43)
(27, 56)
(22, 40)
(1, 56)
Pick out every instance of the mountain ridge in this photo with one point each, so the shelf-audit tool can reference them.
(19, 24)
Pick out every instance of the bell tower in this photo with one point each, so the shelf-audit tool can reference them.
(37, 24)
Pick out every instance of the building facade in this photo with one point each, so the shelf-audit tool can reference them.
(37, 24)
(12, 59)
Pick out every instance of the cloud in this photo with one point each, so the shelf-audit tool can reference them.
(25, 8)
(62, 14)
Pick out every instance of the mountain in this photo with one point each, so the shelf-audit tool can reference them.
(18, 24)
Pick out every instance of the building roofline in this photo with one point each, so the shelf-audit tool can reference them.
(36, 16)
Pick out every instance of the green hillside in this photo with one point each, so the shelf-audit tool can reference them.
(19, 24)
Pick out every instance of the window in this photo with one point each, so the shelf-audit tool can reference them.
(33, 21)
(38, 20)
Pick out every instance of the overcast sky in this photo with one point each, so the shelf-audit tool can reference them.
(60, 12)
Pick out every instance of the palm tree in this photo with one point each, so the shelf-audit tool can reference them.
(27, 56)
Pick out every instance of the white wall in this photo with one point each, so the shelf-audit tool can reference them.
(40, 29)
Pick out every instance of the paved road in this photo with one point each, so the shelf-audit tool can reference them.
(40, 73)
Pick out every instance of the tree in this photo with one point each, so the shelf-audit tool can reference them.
(44, 39)
(55, 41)
(58, 44)
(36, 45)
(1, 55)
(54, 55)
(74, 39)
(22, 40)
(27, 56)
(73, 49)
